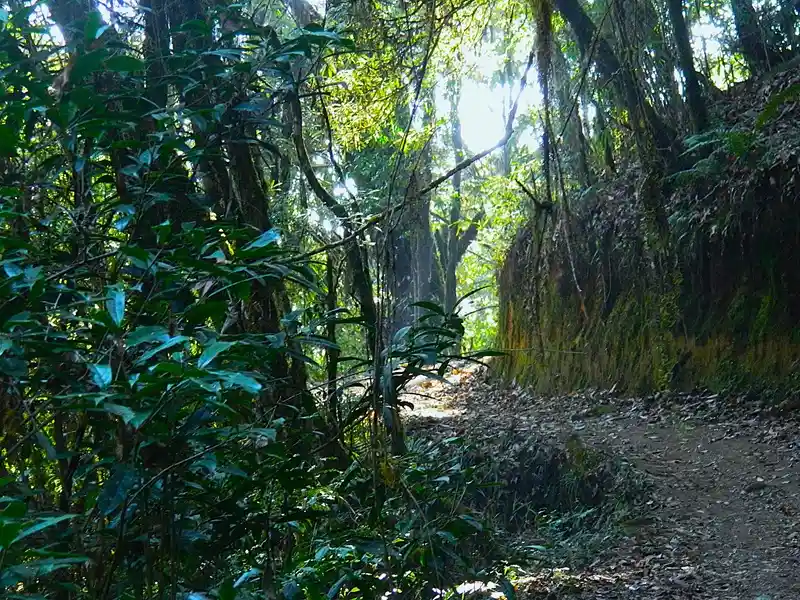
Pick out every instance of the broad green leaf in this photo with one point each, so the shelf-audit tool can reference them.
(144, 334)
(240, 380)
(115, 304)
(42, 525)
(123, 63)
(212, 309)
(270, 236)
(12, 269)
(116, 489)
(337, 587)
(37, 568)
(102, 375)
(8, 533)
(166, 345)
(211, 352)
(246, 577)
(93, 28)
(226, 590)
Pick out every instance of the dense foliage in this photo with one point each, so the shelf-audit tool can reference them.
(231, 234)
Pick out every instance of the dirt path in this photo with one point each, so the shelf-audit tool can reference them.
(724, 518)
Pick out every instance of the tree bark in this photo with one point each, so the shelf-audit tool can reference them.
(644, 119)
(751, 39)
(694, 93)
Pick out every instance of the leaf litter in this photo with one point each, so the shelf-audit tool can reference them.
(718, 516)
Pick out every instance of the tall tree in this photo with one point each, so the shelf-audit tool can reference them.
(694, 93)
(645, 121)
(752, 42)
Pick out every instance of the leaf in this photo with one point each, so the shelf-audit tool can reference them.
(508, 589)
(336, 587)
(170, 343)
(12, 269)
(8, 533)
(777, 100)
(430, 306)
(240, 380)
(85, 64)
(115, 304)
(195, 25)
(147, 333)
(8, 141)
(247, 576)
(212, 351)
(127, 414)
(267, 238)
(93, 28)
(291, 590)
(37, 568)
(116, 489)
(102, 376)
(124, 63)
(226, 590)
(42, 525)
(212, 309)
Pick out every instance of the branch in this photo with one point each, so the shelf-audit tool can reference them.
(469, 236)
(308, 171)
(512, 115)
(537, 203)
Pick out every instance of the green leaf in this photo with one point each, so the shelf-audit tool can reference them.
(166, 345)
(123, 63)
(226, 590)
(147, 333)
(196, 25)
(102, 376)
(12, 269)
(37, 568)
(270, 236)
(115, 304)
(336, 588)
(8, 533)
(85, 64)
(116, 489)
(93, 28)
(128, 415)
(240, 380)
(42, 525)
(246, 577)
(8, 141)
(212, 309)
(212, 351)
(777, 100)
(430, 306)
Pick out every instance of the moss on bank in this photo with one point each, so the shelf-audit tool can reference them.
(717, 306)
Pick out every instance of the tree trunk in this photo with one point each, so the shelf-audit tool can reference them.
(569, 111)
(646, 123)
(694, 94)
(751, 40)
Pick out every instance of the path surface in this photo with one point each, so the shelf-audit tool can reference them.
(724, 518)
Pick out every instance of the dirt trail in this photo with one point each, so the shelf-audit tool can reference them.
(724, 517)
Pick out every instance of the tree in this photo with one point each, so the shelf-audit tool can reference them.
(644, 120)
(752, 43)
(694, 94)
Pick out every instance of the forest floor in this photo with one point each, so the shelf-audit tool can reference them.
(721, 513)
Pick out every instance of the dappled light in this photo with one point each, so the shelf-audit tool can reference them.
(399, 299)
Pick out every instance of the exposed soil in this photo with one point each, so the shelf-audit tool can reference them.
(723, 516)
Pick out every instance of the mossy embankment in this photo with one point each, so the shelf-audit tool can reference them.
(596, 298)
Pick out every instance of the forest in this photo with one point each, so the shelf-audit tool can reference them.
(399, 299)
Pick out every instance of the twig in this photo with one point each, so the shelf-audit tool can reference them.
(512, 115)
